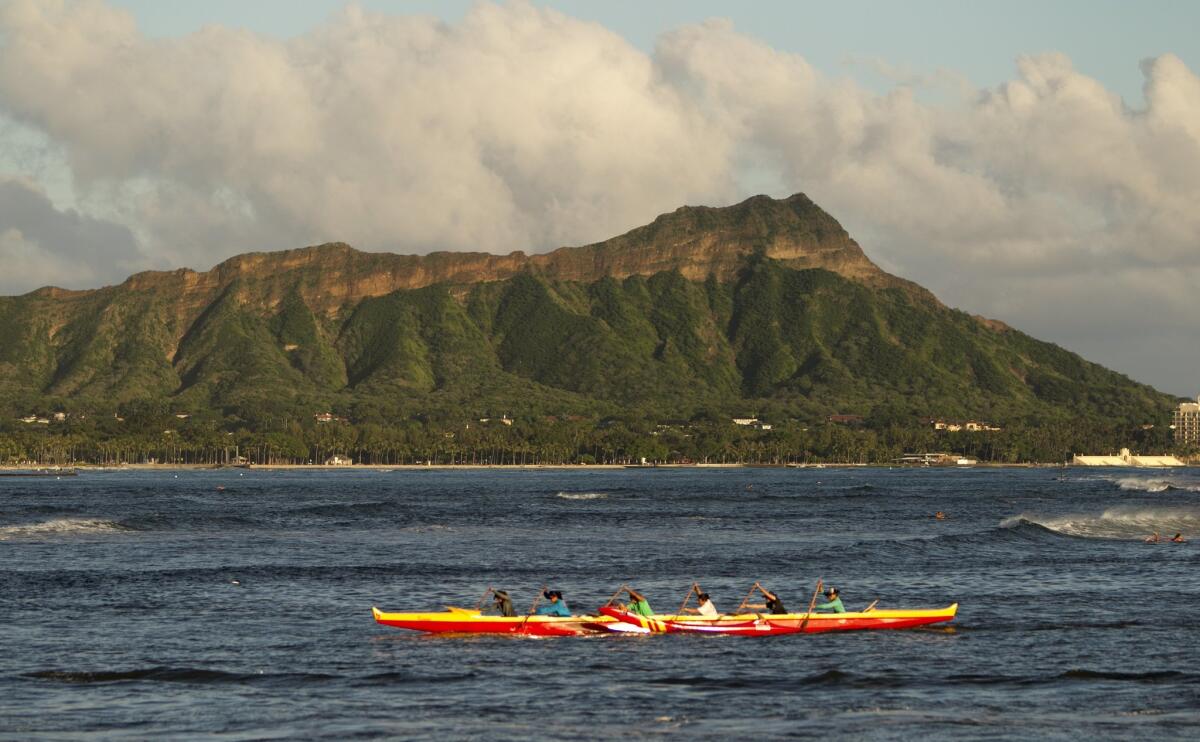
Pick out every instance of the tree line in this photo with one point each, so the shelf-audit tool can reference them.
(629, 440)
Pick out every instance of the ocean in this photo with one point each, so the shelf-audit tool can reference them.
(236, 604)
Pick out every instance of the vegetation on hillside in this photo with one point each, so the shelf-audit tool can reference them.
(650, 367)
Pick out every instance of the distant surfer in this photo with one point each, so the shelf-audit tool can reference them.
(1178, 539)
(1153, 538)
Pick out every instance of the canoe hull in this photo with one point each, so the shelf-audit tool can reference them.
(773, 625)
(460, 621)
(614, 620)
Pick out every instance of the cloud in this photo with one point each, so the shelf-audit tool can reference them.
(1045, 201)
(518, 128)
(41, 245)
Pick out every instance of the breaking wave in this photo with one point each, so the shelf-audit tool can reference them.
(582, 495)
(61, 527)
(1156, 484)
(1118, 523)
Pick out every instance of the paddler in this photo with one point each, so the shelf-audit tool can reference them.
(638, 605)
(556, 605)
(704, 606)
(773, 603)
(1152, 538)
(503, 603)
(834, 602)
(1178, 538)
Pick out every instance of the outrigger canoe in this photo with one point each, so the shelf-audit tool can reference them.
(754, 624)
(471, 621)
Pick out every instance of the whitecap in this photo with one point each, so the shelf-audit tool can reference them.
(582, 495)
(1156, 484)
(1120, 523)
(60, 527)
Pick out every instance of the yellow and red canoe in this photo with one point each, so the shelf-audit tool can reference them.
(759, 624)
(455, 620)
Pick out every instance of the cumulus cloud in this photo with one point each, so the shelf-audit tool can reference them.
(41, 245)
(1046, 201)
(517, 128)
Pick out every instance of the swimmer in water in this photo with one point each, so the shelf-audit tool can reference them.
(1178, 539)
(939, 515)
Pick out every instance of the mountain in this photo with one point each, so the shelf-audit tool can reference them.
(766, 307)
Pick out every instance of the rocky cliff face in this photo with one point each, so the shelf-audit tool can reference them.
(695, 240)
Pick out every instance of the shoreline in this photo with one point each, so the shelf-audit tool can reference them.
(49, 469)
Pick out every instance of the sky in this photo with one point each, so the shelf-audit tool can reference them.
(1038, 163)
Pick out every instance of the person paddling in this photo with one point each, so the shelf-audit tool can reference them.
(834, 601)
(503, 603)
(556, 605)
(1152, 538)
(638, 605)
(772, 605)
(1178, 539)
(704, 606)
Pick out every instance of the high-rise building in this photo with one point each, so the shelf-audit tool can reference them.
(1187, 423)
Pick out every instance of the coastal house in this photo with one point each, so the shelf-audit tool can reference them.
(971, 426)
(338, 460)
(502, 420)
(745, 420)
(1186, 423)
(325, 417)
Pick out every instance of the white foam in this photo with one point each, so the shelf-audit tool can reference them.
(582, 495)
(1156, 484)
(59, 527)
(1122, 523)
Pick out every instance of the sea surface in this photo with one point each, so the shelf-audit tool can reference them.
(237, 604)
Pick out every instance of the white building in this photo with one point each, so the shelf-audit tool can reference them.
(1187, 423)
(1125, 458)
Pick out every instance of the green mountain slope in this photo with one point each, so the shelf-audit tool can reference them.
(766, 307)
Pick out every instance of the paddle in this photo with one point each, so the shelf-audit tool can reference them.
(755, 586)
(811, 604)
(537, 599)
(873, 604)
(695, 588)
(479, 605)
(618, 592)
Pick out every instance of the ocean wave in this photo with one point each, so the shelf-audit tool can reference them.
(347, 508)
(173, 675)
(61, 527)
(1156, 484)
(1118, 523)
(848, 679)
(581, 495)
